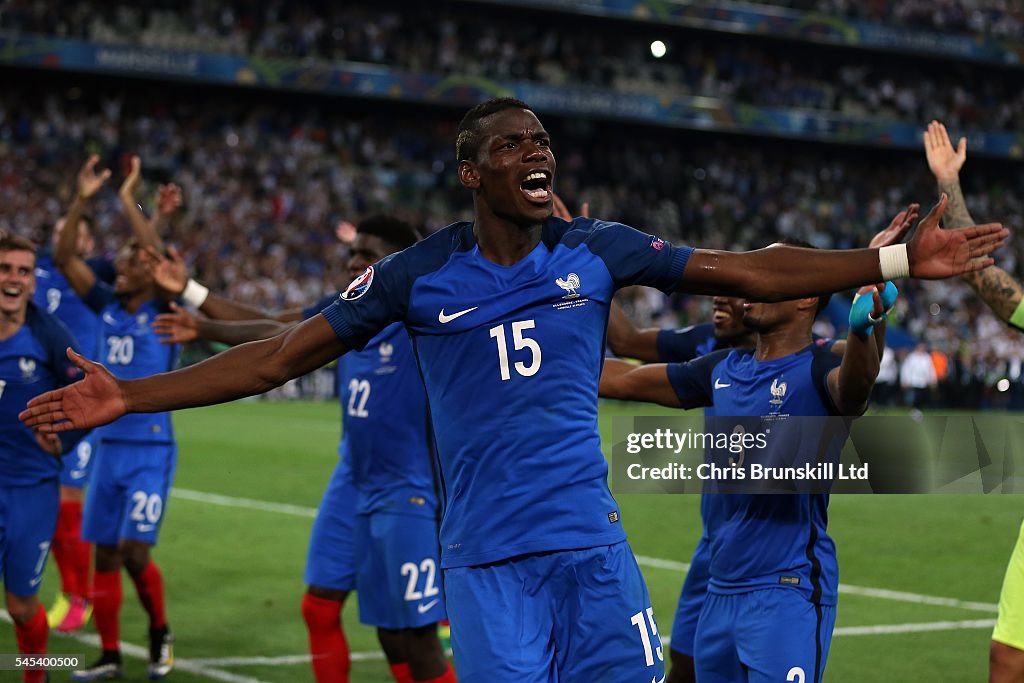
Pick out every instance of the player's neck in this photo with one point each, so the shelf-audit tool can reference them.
(781, 341)
(10, 323)
(502, 241)
(133, 302)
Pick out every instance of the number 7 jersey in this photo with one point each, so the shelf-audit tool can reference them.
(510, 357)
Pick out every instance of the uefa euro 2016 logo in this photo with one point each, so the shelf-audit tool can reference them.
(359, 286)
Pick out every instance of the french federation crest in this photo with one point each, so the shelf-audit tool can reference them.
(27, 366)
(778, 390)
(570, 284)
(359, 286)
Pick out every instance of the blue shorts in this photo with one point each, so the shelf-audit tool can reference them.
(330, 562)
(78, 463)
(573, 615)
(398, 575)
(691, 599)
(28, 518)
(768, 635)
(127, 496)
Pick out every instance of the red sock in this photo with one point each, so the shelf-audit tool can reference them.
(149, 584)
(83, 565)
(402, 672)
(106, 608)
(447, 677)
(65, 541)
(32, 635)
(327, 643)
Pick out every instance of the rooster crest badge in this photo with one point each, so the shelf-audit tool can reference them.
(570, 284)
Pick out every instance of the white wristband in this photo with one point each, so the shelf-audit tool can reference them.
(195, 294)
(894, 262)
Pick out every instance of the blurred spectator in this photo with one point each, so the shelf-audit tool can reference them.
(917, 377)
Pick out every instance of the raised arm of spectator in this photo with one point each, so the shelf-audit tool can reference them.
(997, 288)
(626, 339)
(65, 253)
(142, 229)
(850, 384)
(780, 273)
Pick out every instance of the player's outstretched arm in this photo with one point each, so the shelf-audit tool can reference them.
(997, 288)
(626, 339)
(628, 382)
(65, 253)
(780, 273)
(242, 371)
(850, 384)
(181, 327)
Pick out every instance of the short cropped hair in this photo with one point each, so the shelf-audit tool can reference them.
(12, 242)
(468, 139)
(392, 230)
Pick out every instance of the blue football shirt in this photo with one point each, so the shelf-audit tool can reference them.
(766, 540)
(385, 437)
(679, 346)
(32, 361)
(130, 349)
(55, 295)
(510, 357)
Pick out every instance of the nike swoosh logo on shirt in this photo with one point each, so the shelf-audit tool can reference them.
(719, 385)
(442, 318)
(423, 609)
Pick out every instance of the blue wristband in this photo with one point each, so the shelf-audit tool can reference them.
(861, 320)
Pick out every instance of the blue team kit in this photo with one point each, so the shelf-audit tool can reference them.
(32, 361)
(524, 342)
(135, 456)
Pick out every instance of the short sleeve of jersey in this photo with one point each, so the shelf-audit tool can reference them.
(692, 381)
(100, 296)
(679, 346)
(374, 300)
(824, 362)
(636, 258)
(325, 301)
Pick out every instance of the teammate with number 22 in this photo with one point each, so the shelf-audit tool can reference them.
(507, 316)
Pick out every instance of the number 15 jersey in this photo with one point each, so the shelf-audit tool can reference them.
(511, 357)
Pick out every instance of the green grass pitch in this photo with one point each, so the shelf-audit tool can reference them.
(234, 573)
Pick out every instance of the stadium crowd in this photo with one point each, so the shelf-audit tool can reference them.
(460, 39)
(264, 188)
(994, 17)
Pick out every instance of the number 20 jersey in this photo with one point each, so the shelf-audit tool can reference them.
(510, 357)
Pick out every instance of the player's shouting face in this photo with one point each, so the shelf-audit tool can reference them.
(514, 168)
(17, 280)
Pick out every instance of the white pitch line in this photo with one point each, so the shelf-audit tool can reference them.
(643, 560)
(139, 652)
(890, 629)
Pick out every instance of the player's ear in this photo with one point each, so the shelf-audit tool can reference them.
(469, 176)
(807, 303)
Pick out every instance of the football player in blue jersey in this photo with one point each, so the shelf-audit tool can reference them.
(135, 458)
(72, 555)
(32, 356)
(727, 330)
(376, 527)
(768, 599)
(507, 316)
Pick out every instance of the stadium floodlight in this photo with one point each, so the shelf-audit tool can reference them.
(658, 49)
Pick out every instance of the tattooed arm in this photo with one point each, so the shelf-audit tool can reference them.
(997, 288)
